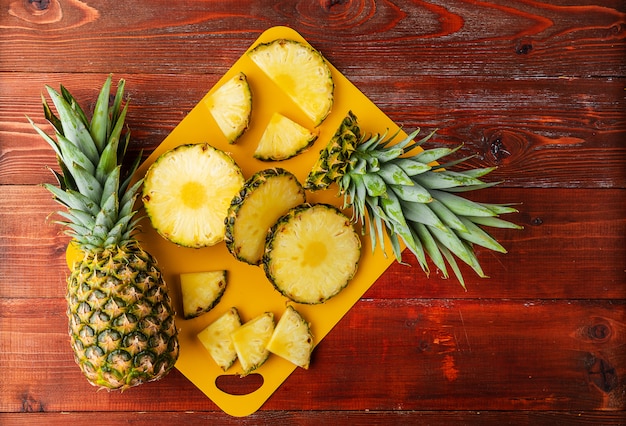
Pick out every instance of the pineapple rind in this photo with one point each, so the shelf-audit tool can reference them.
(214, 178)
(282, 139)
(121, 320)
(250, 342)
(231, 106)
(201, 291)
(264, 198)
(311, 253)
(292, 338)
(216, 338)
(301, 72)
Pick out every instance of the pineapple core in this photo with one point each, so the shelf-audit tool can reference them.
(193, 195)
(315, 253)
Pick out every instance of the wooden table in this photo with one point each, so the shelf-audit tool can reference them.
(535, 88)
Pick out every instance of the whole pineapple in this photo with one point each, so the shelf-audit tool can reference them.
(121, 320)
(409, 197)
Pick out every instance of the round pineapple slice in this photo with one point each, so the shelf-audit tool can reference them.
(231, 106)
(283, 138)
(187, 192)
(292, 339)
(301, 72)
(216, 338)
(265, 197)
(250, 342)
(311, 253)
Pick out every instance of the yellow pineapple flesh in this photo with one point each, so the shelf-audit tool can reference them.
(250, 342)
(311, 253)
(265, 197)
(231, 106)
(216, 338)
(187, 192)
(282, 139)
(301, 72)
(292, 338)
(201, 291)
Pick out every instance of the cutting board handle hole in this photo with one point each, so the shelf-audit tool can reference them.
(233, 384)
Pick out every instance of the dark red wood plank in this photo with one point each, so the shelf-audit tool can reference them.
(571, 247)
(409, 354)
(540, 133)
(385, 38)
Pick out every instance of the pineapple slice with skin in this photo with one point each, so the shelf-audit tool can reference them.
(231, 106)
(282, 139)
(311, 253)
(187, 192)
(301, 72)
(265, 197)
(292, 338)
(250, 342)
(216, 338)
(201, 291)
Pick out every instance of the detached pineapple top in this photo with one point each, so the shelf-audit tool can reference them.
(400, 191)
(92, 186)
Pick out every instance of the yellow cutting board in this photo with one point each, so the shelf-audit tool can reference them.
(248, 289)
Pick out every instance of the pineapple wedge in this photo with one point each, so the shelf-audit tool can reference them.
(292, 339)
(250, 342)
(265, 197)
(283, 138)
(216, 338)
(231, 106)
(301, 72)
(187, 192)
(201, 291)
(311, 253)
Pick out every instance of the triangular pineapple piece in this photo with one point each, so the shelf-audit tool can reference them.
(231, 106)
(265, 197)
(217, 341)
(201, 291)
(292, 339)
(283, 138)
(311, 253)
(187, 192)
(301, 72)
(250, 342)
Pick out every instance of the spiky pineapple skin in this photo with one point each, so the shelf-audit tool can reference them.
(121, 321)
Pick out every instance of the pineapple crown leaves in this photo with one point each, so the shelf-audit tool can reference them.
(92, 185)
(404, 193)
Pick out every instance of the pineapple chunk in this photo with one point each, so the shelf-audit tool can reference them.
(265, 197)
(283, 138)
(217, 341)
(250, 341)
(231, 106)
(301, 72)
(187, 192)
(292, 339)
(311, 253)
(201, 291)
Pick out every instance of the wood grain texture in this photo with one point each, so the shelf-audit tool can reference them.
(400, 354)
(567, 236)
(535, 88)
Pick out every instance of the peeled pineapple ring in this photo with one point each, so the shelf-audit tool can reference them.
(311, 253)
(187, 192)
